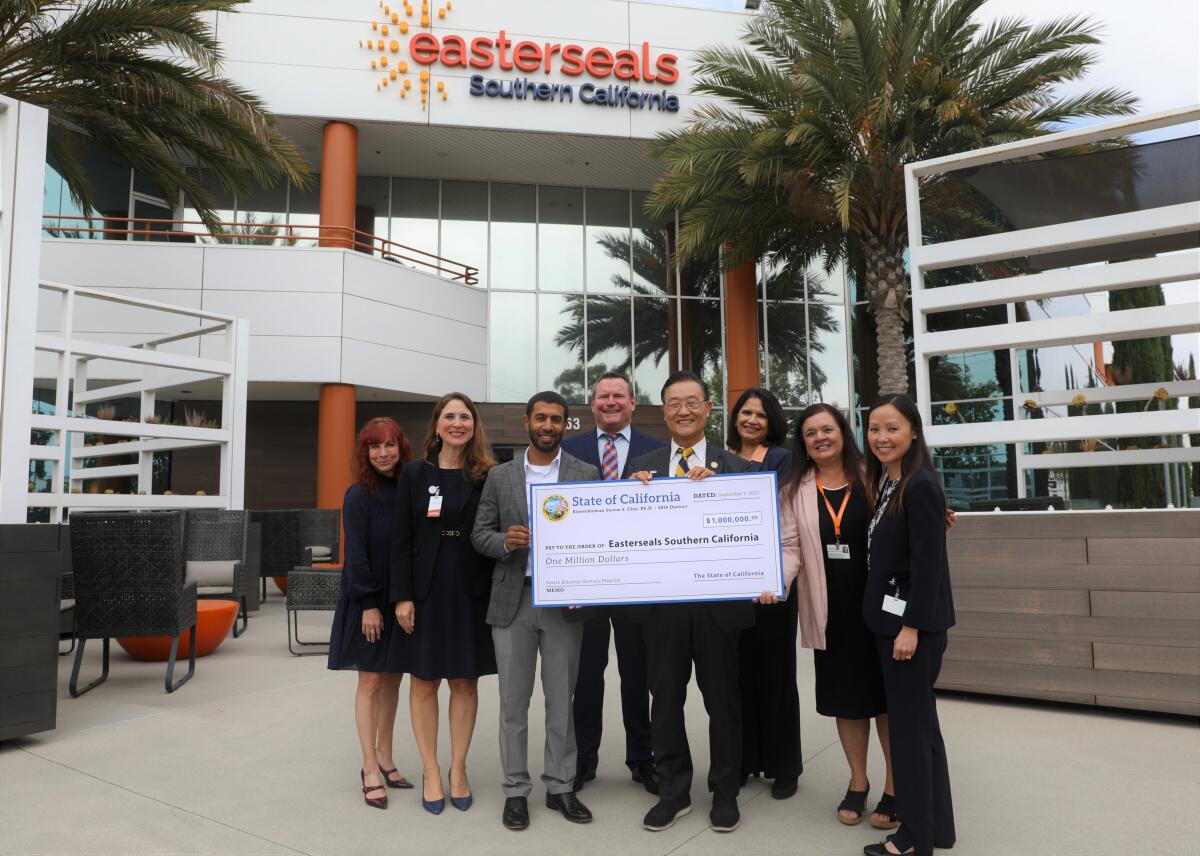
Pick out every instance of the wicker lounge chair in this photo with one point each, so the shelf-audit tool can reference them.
(216, 559)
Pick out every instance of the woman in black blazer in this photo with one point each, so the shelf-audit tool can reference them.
(909, 607)
(440, 588)
(767, 651)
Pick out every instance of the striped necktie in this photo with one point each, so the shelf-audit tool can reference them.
(681, 468)
(608, 463)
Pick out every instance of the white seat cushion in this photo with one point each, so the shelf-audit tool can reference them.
(210, 573)
(321, 553)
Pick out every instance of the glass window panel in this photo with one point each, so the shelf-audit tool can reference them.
(304, 214)
(109, 176)
(976, 474)
(655, 327)
(826, 287)
(415, 222)
(610, 331)
(714, 430)
(827, 353)
(464, 227)
(261, 216)
(560, 345)
(651, 272)
(787, 350)
(514, 237)
(968, 376)
(702, 349)
(560, 238)
(224, 210)
(607, 235)
(782, 281)
(513, 357)
(1058, 368)
(372, 201)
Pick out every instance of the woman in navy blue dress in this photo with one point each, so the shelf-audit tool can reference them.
(440, 588)
(767, 651)
(360, 638)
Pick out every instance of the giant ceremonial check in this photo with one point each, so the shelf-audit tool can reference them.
(609, 542)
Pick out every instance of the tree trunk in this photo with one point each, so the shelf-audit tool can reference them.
(887, 290)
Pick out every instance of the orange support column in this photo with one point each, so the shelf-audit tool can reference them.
(339, 181)
(336, 432)
(741, 330)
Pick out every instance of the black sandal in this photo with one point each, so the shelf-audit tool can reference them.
(886, 807)
(855, 801)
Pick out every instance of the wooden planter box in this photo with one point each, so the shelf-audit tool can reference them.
(30, 563)
(1099, 608)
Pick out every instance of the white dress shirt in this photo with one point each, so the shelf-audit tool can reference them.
(622, 441)
(540, 475)
(698, 458)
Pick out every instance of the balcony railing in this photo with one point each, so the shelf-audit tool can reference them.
(256, 233)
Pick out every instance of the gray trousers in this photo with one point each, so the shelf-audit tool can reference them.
(517, 647)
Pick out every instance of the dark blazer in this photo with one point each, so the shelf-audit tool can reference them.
(910, 547)
(778, 458)
(505, 503)
(418, 537)
(729, 614)
(586, 447)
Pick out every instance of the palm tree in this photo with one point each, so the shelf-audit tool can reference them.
(142, 79)
(802, 151)
(607, 317)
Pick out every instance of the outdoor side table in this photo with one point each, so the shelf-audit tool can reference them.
(311, 589)
(214, 619)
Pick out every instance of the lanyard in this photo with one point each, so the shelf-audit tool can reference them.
(835, 517)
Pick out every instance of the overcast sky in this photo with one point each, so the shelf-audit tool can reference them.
(1150, 47)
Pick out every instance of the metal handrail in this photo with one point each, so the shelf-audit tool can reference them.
(333, 236)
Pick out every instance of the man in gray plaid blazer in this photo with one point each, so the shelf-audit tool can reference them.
(519, 631)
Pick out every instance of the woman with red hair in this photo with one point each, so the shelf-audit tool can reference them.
(361, 639)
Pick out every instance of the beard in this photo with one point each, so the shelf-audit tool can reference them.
(544, 443)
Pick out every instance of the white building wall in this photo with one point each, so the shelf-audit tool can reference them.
(316, 315)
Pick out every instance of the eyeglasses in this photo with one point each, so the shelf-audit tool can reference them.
(674, 405)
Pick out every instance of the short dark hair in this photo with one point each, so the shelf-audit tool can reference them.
(680, 377)
(550, 397)
(777, 426)
(612, 376)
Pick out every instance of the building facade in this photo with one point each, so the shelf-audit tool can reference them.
(476, 223)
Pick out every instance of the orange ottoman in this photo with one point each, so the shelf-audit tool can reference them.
(214, 618)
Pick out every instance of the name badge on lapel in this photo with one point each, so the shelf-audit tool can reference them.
(894, 605)
(435, 504)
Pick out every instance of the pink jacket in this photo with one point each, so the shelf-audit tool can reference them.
(800, 530)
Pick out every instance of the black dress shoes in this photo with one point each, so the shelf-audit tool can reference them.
(781, 789)
(664, 814)
(880, 850)
(644, 774)
(582, 777)
(569, 806)
(516, 813)
(724, 816)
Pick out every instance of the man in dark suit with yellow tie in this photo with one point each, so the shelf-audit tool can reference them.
(704, 633)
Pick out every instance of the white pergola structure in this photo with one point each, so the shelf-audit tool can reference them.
(1109, 233)
(150, 367)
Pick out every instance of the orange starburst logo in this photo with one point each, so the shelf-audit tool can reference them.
(385, 47)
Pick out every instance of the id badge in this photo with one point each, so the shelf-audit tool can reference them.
(435, 506)
(837, 551)
(894, 605)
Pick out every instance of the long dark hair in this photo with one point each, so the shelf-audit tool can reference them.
(776, 421)
(916, 459)
(802, 464)
(477, 460)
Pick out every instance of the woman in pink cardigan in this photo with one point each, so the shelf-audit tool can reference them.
(824, 512)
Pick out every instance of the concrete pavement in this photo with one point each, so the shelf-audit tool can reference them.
(257, 755)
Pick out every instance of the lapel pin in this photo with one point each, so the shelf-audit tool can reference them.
(433, 489)
(713, 465)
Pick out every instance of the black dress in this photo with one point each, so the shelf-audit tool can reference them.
(767, 675)
(451, 639)
(368, 521)
(849, 679)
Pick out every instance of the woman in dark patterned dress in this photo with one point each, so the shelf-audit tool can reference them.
(360, 638)
(440, 588)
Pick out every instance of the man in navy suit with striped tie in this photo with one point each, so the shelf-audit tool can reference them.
(611, 447)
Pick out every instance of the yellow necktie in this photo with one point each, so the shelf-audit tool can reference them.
(681, 468)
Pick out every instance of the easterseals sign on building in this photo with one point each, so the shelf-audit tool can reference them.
(616, 72)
